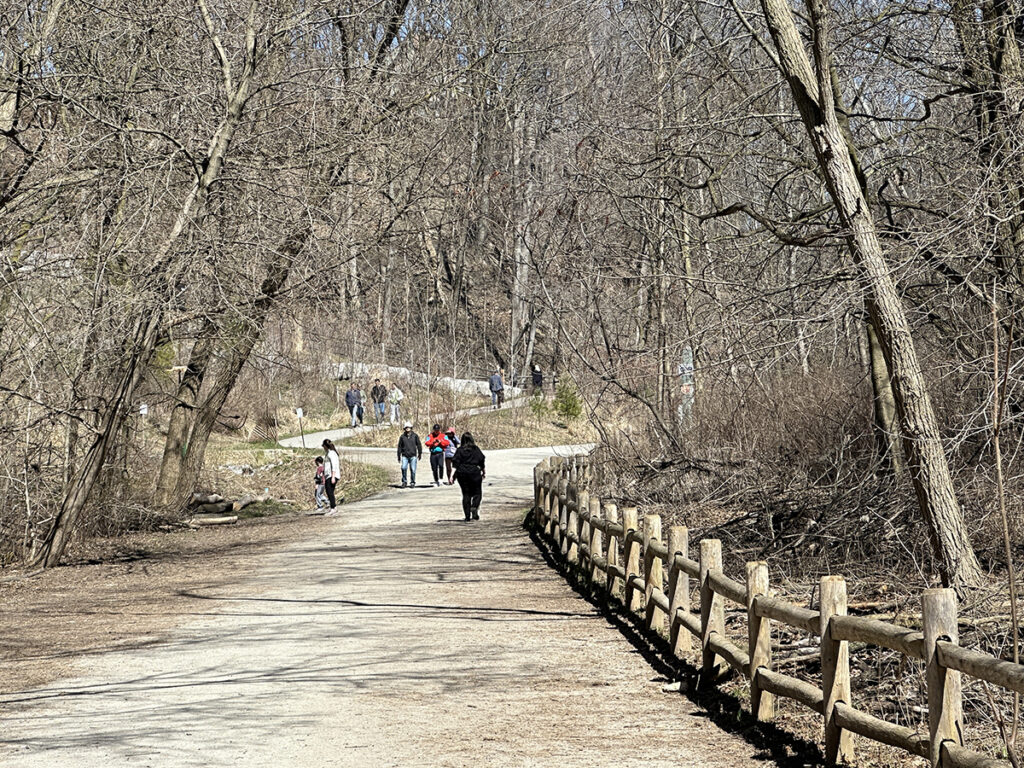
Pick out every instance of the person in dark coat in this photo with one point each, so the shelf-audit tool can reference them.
(410, 449)
(470, 473)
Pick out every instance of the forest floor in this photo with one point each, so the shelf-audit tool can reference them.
(395, 634)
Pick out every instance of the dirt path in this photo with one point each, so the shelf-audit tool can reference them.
(401, 637)
(315, 439)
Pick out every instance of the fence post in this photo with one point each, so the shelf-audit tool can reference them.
(584, 529)
(939, 622)
(652, 572)
(835, 670)
(549, 529)
(678, 589)
(712, 611)
(632, 552)
(611, 514)
(538, 492)
(759, 641)
(573, 528)
(563, 515)
(596, 542)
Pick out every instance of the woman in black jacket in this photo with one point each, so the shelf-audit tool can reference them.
(470, 473)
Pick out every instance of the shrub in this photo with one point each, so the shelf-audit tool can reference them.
(539, 406)
(567, 402)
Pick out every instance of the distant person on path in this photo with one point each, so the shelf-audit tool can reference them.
(395, 398)
(437, 443)
(318, 484)
(537, 379)
(470, 472)
(410, 450)
(332, 474)
(496, 383)
(449, 454)
(354, 399)
(379, 395)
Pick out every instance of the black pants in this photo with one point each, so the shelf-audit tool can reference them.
(472, 490)
(437, 465)
(329, 484)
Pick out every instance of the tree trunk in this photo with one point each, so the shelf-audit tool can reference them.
(225, 372)
(183, 415)
(147, 328)
(926, 455)
(887, 434)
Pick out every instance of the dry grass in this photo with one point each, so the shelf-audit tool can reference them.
(518, 427)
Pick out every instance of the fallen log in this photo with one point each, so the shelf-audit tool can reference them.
(199, 499)
(199, 522)
(248, 499)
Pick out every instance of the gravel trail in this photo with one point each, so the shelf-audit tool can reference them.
(401, 637)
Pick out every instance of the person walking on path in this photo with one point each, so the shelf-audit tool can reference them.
(379, 394)
(437, 442)
(449, 454)
(395, 398)
(332, 474)
(470, 473)
(410, 450)
(354, 400)
(496, 383)
(537, 379)
(318, 484)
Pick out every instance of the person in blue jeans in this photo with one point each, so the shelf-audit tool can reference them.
(354, 401)
(410, 450)
(496, 383)
(379, 395)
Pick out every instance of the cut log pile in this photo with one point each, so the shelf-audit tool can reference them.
(213, 509)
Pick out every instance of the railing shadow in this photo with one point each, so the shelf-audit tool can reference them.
(725, 710)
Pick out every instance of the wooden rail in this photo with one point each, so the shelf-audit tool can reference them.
(590, 536)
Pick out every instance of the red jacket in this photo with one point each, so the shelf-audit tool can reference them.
(436, 442)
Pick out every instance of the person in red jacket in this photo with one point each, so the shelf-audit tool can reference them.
(436, 443)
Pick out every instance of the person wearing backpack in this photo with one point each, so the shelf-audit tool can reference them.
(449, 454)
(436, 443)
(378, 394)
(470, 473)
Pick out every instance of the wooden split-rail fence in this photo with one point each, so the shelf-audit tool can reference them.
(608, 552)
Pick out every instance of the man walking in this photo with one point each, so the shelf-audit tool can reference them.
(354, 400)
(395, 397)
(537, 379)
(497, 387)
(379, 394)
(410, 449)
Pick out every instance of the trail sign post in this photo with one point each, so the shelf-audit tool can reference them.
(302, 435)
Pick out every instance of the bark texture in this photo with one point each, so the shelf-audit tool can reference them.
(812, 90)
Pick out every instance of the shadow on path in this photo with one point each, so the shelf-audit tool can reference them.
(723, 709)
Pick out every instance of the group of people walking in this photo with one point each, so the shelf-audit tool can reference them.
(382, 399)
(452, 460)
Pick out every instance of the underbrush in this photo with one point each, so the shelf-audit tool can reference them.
(233, 470)
(797, 483)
